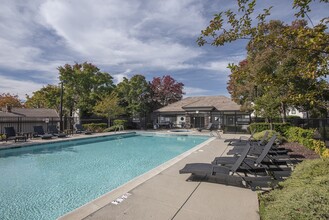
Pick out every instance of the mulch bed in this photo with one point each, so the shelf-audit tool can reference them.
(299, 151)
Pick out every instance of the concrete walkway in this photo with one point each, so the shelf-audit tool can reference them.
(169, 196)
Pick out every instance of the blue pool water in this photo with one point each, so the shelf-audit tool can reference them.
(49, 180)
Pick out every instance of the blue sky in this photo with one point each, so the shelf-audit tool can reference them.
(123, 38)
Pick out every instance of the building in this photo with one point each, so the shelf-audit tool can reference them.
(23, 119)
(198, 112)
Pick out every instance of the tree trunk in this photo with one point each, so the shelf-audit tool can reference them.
(284, 112)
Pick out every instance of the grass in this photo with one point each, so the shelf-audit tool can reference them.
(305, 195)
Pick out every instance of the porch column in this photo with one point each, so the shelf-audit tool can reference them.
(206, 119)
(187, 119)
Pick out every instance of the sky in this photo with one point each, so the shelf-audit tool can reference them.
(123, 38)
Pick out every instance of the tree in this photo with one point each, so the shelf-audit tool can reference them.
(10, 100)
(267, 106)
(84, 86)
(165, 90)
(109, 107)
(134, 95)
(311, 40)
(46, 97)
(269, 68)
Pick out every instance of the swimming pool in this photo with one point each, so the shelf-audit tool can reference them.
(49, 180)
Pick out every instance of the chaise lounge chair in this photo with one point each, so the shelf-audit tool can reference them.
(52, 129)
(244, 139)
(11, 135)
(227, 175)
(264, 163)
(39, 132)
(80, 130)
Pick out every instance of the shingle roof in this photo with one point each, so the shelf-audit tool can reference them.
(30, 112)
(221, 103)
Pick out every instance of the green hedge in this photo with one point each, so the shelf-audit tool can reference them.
(305, 195)
(279, 127)
(95, 127)
(260, 135)
(305, 138)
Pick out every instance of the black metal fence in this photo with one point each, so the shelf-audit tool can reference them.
(320, 124)
(25, 124)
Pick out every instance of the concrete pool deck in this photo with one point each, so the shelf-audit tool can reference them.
(167, 194)
(163, 193)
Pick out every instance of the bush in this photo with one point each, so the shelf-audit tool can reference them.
(112, 128)
(279, 127)
(258, 127)
(95, 127)
(305, 195)
(305, 138)
(260, 135)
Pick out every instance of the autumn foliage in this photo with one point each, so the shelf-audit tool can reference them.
(8, 99)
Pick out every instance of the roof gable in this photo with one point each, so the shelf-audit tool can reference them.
(220, 103)
(31, 112)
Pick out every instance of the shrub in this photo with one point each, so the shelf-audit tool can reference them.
(305, 195)
(305, 138)
(258, 127)
(260, 135)
(112, 128)
(279, 127)
(95, 127)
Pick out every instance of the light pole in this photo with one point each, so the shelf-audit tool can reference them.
(61, 108)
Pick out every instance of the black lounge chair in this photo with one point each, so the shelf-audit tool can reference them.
(39, 132)
(228, 175)
(52, 129)
(257, 147)
(11, 135)
(80, 130)
(264, 163)
(243, 140)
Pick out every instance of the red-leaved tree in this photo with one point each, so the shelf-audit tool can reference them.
(166, 90)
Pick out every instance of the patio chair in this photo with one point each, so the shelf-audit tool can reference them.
(52, 129)
(11, 135)
(243, 139)
(223, 174)
(39, 132)
(80, 130)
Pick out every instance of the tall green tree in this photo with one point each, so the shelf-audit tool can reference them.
(46, 97)
(84, 85)
(134, 94)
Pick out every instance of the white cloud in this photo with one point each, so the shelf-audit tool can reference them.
(121, 33)
(194, 91)
(19, 87)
